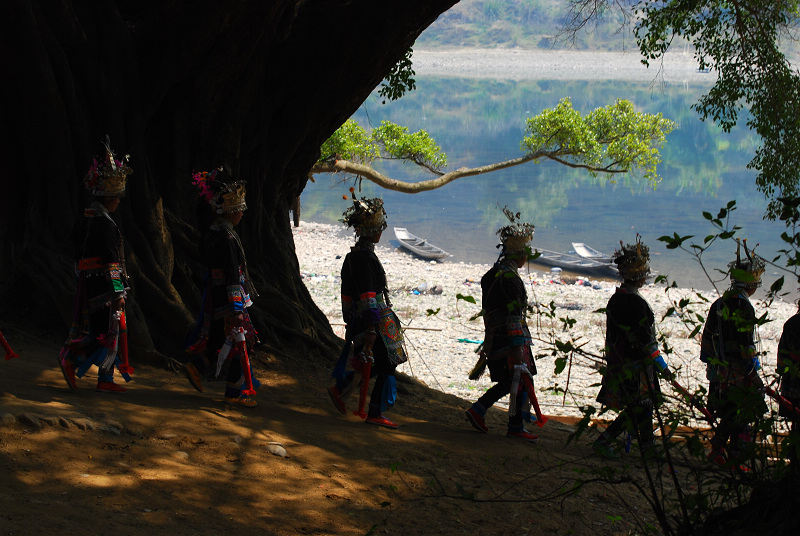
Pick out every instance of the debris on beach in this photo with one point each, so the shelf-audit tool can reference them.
(428, 288)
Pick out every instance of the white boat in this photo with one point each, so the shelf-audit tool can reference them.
(588, 252)
(418, 245)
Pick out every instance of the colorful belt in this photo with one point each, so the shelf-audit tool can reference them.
(92, 263)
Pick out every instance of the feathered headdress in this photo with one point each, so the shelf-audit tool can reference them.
(366, 216)
(107, 175)
(633, 260)
(517, 236)
(746, 272)
(224, 197)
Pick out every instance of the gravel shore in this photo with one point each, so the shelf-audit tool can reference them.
(442, 345)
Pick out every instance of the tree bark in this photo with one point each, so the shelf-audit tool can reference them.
(181, 86)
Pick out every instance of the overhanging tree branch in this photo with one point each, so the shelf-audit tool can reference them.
(612, 139)
(383, 181)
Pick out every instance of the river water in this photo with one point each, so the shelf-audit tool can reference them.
(474, 105)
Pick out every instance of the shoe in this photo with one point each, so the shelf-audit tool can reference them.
(242, 400)
(382, 421)
(336, 398)
(604, 449)
(68, 370)
(109, 387)
(476, 420)
(523, 434)
(193, 375)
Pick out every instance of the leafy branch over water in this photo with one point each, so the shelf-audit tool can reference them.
(609, 140)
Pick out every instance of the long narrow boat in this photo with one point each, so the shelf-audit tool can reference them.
(419, 246)
(574, 263)
(588, 252)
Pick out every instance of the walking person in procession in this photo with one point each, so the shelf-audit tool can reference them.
(98, 332)
(789, 372)
(728, 347)
(630, 383)
(373, 335)
(224, 331)
(506, 347)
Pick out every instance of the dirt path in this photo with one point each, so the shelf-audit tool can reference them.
(164, 459)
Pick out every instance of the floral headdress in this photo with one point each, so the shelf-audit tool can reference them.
(746, 272)
(517, 236)
(633, 260)
(366, 216)
(224, 197)
(107, 175)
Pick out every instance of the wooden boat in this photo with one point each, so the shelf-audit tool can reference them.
(588, 252)
(419, 246)
(574, 263)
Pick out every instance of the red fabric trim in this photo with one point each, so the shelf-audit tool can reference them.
(92, 263)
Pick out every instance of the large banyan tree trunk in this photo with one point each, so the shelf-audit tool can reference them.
(253, 84)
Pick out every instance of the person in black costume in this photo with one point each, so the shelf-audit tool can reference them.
(227, 293)
(102, 282)
(373, 331)
(728, 347)
(630, 383)
(789, 372)
(506, 347)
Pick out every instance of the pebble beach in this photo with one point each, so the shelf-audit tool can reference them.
(442, 334)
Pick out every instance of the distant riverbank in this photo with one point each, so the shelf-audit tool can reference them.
(518, 64)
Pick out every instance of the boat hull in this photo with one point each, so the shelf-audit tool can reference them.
(574, 263)
(419, 246)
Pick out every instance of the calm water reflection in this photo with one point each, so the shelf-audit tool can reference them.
(477, 122)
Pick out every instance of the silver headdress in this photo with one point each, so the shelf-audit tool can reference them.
(517, 236)
(633, 260)
(366, 216)
(746, 272)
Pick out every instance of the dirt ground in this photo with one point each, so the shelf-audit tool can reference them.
(165, 459)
